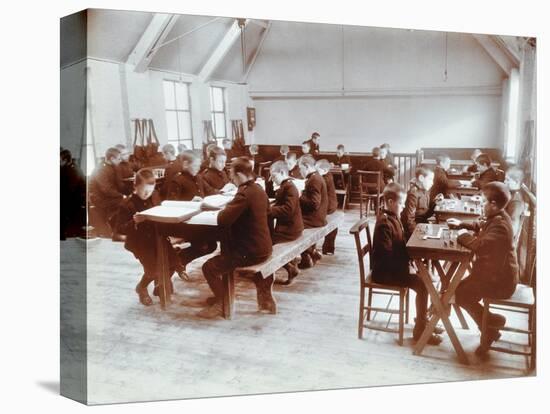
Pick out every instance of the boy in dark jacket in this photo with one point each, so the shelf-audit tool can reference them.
(391, 260)
(285, 212)
(495, 268)
(140, 234)
(486, 172)
(244, 220)
(292, 164)
(215, 175)
(442, 184)
(323, 167)
(314, 203)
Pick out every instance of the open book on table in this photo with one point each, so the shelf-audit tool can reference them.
(171, 211)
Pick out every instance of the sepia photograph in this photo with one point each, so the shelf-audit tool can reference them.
(253, 206)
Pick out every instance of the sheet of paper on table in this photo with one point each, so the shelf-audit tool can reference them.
(205, 218)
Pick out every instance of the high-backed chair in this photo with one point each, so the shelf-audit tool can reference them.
(261, 167)
(370, 188)
(340, 185)
(521, 302)
(360, 230)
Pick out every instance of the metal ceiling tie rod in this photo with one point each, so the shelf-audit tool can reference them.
(186, 33)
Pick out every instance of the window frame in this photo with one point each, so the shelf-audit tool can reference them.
(177, 111)
(213, 112)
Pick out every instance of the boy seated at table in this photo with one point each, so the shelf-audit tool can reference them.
(442, 184)
(188, 185)
(323, 167)
(517, 205)
(215, 174)
(245, 221)
(342, 157)
(140, 234)
(386, 155)
(285, 212)
(283, 150)
(169, 153)
(390, 260)
(472, 168)
(375, 164)
(418, 207)
(313, 203)
(106, 190)
(126, 168)
(487, 173)
(495, 268)
(306, 148)
(292, 164)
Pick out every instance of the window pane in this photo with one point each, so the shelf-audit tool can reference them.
(188, 143)
(184, 119)
(182, 96)
(169, 98)
(217, 98)
(219, 121)
(172, 125)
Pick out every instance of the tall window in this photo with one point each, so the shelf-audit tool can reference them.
(217, 109)
(178, 113)
(513, 115)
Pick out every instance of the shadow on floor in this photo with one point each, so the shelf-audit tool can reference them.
(51, 386)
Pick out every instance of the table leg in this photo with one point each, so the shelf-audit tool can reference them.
(162, 270)
(441, 305)
(228, 295)
(446, 276)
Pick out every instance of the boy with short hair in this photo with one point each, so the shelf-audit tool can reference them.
(283, 150)
(249, 240)
(418, 207)
(140, 234)
(323, 167)
(106, 188)
(341, 156)
(126, 168)
(473, 167)
(215, 174)
(390, 260)
(292, 164)
(285, 211)
(486, 171)
(306, 148)
(169, 153)
(314, 144)
(442, 184)
(495, 269)
(313, 203)
(188, 185)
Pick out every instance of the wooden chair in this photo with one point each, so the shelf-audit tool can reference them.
(522, 302)
(370, 186)
(261, 166)
(338, 177)
(373, 288)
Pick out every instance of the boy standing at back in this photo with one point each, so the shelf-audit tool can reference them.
(390, 258)
(495, 268)
(245, 221)
(314, 203)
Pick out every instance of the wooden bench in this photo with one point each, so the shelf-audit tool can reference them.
(282, 254)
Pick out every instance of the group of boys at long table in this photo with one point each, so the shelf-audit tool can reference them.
(255, 224)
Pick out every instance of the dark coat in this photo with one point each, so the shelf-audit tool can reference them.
(374, 165)
(183, 187)
(418, 209)
(390, 260)
(314, 201)
(332, 200)
(140, 238)
(106, 188)
(245, 221)
(215, 178)
(313, 148)
(442, 184)
(295, 173)
(486, 177)
(344, 159)
(286, 210)
(171, 169)
(495, 256)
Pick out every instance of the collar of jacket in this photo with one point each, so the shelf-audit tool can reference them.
(286, 180)
(310, 174)
(389, 213)
(251, 181)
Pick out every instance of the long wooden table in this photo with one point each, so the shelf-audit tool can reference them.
(456, 260)
(461, 209)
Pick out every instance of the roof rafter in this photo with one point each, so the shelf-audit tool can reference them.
(501, 58)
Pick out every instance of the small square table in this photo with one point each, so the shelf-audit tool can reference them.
(458, 259)
(461, 209)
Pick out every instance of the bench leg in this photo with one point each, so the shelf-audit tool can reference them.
(264, 291)
(228, 295)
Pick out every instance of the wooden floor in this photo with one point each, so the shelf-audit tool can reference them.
(137, 353)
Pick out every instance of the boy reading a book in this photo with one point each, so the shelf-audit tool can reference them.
(390, 260)
(215, 175)
(292, 164)
(140, 234)
(314, 203)
(285, 212)
(323, 167)
(245, 223)
(495, 269)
